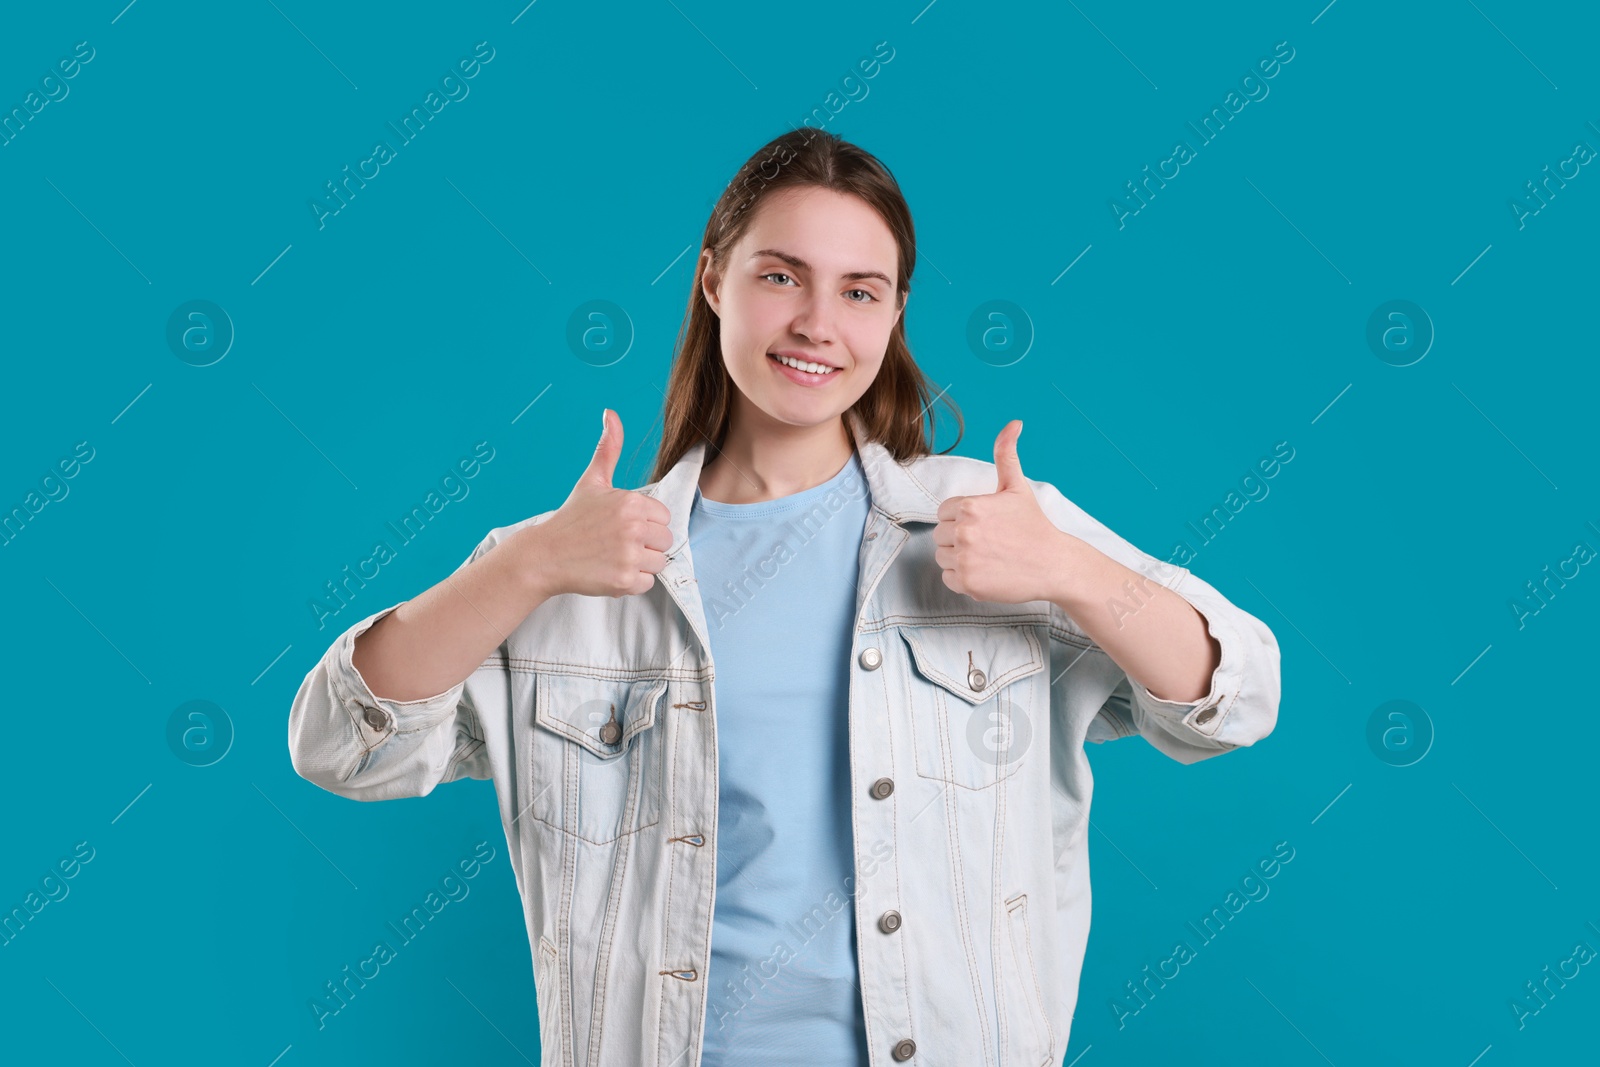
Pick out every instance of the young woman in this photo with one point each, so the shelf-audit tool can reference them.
(788, 743)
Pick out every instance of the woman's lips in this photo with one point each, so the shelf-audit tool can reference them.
(800, 377)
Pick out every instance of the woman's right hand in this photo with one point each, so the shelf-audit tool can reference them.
(602, 541)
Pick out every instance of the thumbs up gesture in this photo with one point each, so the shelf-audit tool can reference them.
(1001, 546)
(603, 541)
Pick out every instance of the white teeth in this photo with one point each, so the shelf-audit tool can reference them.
(800, 364)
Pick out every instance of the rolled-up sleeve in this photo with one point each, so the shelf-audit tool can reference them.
(349, 741)
(1241, 705)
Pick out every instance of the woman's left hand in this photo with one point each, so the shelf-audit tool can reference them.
(1000, 546)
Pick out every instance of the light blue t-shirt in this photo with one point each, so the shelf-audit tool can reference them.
(778, 583)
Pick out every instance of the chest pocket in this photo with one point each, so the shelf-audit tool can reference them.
(594, 761)
(972, 700)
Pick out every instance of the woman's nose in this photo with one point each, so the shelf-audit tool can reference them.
(815, 320)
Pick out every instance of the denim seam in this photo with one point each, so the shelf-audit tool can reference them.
(997, 853)
(608, 924)
(669, 803)
(894, 832)
(569, 854)
(1037, 1008)
(953, 858)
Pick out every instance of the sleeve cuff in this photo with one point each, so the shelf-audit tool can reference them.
(1207, 715)
(376, 718)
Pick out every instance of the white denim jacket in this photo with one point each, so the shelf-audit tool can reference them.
(969, 783)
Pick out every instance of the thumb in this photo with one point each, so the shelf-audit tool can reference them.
(604, 463)
(1008, 468)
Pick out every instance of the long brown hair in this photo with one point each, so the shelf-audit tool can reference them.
(897, 408)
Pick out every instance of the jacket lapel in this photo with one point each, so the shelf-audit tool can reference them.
(895, 490)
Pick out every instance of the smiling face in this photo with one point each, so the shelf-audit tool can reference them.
(807, 303)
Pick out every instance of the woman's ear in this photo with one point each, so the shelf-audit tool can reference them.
(710, 282)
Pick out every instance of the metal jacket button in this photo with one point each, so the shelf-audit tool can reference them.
(882, 787)
(889, 922)
(905, 1049)
(376, 719)
(976, 679)
(1206, 716)
(871, 658)
(611, 732)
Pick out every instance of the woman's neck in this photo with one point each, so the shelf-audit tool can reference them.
(763, 459)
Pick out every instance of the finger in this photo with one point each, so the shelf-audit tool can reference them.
(947, 510)
(657, 536)
(656, 511)
(944, 534)
(604, 463)
(952, 580)
(1007, 465)
(645, 583)
(652, 562)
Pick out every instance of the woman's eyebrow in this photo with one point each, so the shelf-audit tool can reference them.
(799, 264)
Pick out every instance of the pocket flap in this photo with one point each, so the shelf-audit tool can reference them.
(579, 706)
(974, 662)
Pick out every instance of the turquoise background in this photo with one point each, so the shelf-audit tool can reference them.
(1230, 314)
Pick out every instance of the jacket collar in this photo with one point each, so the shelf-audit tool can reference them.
(896, 492)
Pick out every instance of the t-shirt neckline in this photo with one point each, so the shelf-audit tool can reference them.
(763, 508)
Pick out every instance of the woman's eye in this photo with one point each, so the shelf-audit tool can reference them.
(870, 298)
